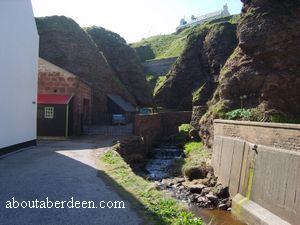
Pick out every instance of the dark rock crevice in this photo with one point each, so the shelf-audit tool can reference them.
(194, 77)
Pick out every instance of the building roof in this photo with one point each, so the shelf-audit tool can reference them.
(209, 15)
(126, 106)
(204, 18)
(54, 99)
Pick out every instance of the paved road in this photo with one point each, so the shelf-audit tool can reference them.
(59, 171)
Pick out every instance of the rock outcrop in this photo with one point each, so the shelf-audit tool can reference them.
(192, 80)
(144, 52)
(264, 70)
(64, 43)
(124, 61)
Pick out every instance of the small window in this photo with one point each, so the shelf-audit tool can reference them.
(49, 112)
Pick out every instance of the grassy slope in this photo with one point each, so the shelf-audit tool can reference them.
(153, 204)
(166, 46)
(172, 45)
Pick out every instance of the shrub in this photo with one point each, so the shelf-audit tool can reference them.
(244, 114)
(239, 114)
(184, 128)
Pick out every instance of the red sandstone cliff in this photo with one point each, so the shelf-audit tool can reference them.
(64, 43)
(124, 61)
(265, 68)
(193, 78)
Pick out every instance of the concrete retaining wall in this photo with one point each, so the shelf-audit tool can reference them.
(260, 162)
(159, 67)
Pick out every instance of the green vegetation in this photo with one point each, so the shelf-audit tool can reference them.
(183, 134)
(159, 83)
(192, 148)
(196, 156)
(256, 115)
(277, 118)
(184, 128)
(152, 81)
(244, 114)
(162, 46)
(197, 94)
(172, 45)
(217, 110)
(159, 45)
(155, 82)
(154, 206)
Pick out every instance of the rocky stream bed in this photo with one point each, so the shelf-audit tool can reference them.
(206, 197)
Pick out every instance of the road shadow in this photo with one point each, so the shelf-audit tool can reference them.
(60, 170)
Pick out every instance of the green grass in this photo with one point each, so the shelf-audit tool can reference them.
(164, 46)
(159, 83)
(195, 153)
(172, 45)
(155, 207)
(193, 148)
(197, 94)
(196, 156)
(152, 80)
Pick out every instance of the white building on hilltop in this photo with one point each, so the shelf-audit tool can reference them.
(203, 18)
(19, 43)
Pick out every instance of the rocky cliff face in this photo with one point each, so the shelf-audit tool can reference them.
(124, 61)
(192, 80)
(264, 70)
(65, 44)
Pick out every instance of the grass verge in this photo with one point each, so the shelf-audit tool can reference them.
(196, 156)
(153, 204)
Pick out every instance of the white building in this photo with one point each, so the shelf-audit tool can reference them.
(19, 43)
(203, 18)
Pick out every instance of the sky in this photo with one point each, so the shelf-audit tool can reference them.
(132, 19)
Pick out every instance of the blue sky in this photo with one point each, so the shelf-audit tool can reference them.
(132, 19)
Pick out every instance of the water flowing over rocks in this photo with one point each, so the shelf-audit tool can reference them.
(162, 157)
(200, 188)
(204, 193)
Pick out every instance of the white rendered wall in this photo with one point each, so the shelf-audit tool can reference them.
(18, 72)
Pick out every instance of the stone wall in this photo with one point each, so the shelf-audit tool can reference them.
(260, 163)
(155, 126)
(159, 67)
(149, 128)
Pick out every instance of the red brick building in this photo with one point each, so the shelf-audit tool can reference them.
(55, 80)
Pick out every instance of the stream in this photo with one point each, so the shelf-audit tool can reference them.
(162, 157)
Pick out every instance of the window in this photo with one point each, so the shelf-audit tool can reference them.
(49, 112)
